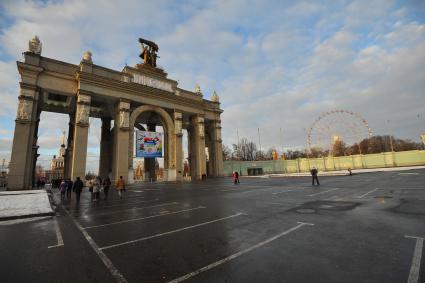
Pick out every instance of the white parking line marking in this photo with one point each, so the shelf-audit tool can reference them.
(323, 192)
(238, 254)
(276, 193)
(171, 232)
(58, 236)
(416, 261)
(367, 193)
(90, 203)
(133, 208)
(106, 261)
(142, 218)
(125, 203)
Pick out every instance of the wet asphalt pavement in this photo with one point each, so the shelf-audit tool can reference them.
(350, 229)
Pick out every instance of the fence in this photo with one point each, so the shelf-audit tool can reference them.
(364, 161)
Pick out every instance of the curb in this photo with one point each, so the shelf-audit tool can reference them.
(5, 218)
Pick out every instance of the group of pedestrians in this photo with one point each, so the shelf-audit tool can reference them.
(40, 184)
(95, 186)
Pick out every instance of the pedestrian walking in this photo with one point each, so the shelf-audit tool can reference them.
(62, 189)
(77, 188)
(314, 173)
(120, 186)
(235, 177)
(90, 185)
(106, 186)
(96, 189)
(349, 171)
(69, 185)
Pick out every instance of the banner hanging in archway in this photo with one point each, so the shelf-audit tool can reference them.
(148, 144)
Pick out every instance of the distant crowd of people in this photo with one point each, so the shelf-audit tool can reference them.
(96, 186)
(41, 183)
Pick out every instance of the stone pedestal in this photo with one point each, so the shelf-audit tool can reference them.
(179, 145)
(81, 131)
(120, 163)
(197, 148)
(24, 149)
(68, 151)
(216, 149)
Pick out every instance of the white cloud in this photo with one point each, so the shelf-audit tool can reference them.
(275, 65)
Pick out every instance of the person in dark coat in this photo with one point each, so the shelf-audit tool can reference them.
(106, 186)
(314, 173)
(69, 184)
(77, 188)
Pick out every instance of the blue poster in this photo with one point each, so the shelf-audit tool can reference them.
(148, 144)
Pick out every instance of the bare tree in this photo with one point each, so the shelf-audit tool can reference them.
(245, 150)
(227, 152)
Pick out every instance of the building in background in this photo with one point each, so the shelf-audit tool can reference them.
(57, 164)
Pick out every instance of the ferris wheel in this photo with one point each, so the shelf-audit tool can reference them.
(337, 125)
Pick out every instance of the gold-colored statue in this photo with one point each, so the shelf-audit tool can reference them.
(149, 50)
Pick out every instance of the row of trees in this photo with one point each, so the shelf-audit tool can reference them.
(247, 150)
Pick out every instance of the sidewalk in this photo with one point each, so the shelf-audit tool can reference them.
(24, 204)
(339, 173)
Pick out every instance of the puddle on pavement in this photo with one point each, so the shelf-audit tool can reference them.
(410, 206)
(314, 206)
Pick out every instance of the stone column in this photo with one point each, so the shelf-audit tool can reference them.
(105, 148)
(198, 147)
(178, 117)
(216, 149)
(149, 162)
(69, 145)
(24, 142)
(81, 131)
(120, 160)
(34, 152)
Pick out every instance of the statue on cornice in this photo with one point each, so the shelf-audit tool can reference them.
(149, 52)
(35, 46)
(198, 90)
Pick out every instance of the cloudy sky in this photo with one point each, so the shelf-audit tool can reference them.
(275, 64)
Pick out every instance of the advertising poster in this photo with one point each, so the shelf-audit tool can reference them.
(148, 144)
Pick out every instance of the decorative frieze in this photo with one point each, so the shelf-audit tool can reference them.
(24, 108)
(178, 123)
(201, 126)
(83, 110)
(124, 109)
(218, 130)
(152, 82)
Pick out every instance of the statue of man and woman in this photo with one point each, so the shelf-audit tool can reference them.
(149, 55)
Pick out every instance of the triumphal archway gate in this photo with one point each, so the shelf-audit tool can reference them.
(123, 100)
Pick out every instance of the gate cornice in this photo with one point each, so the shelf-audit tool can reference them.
(136, 92)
